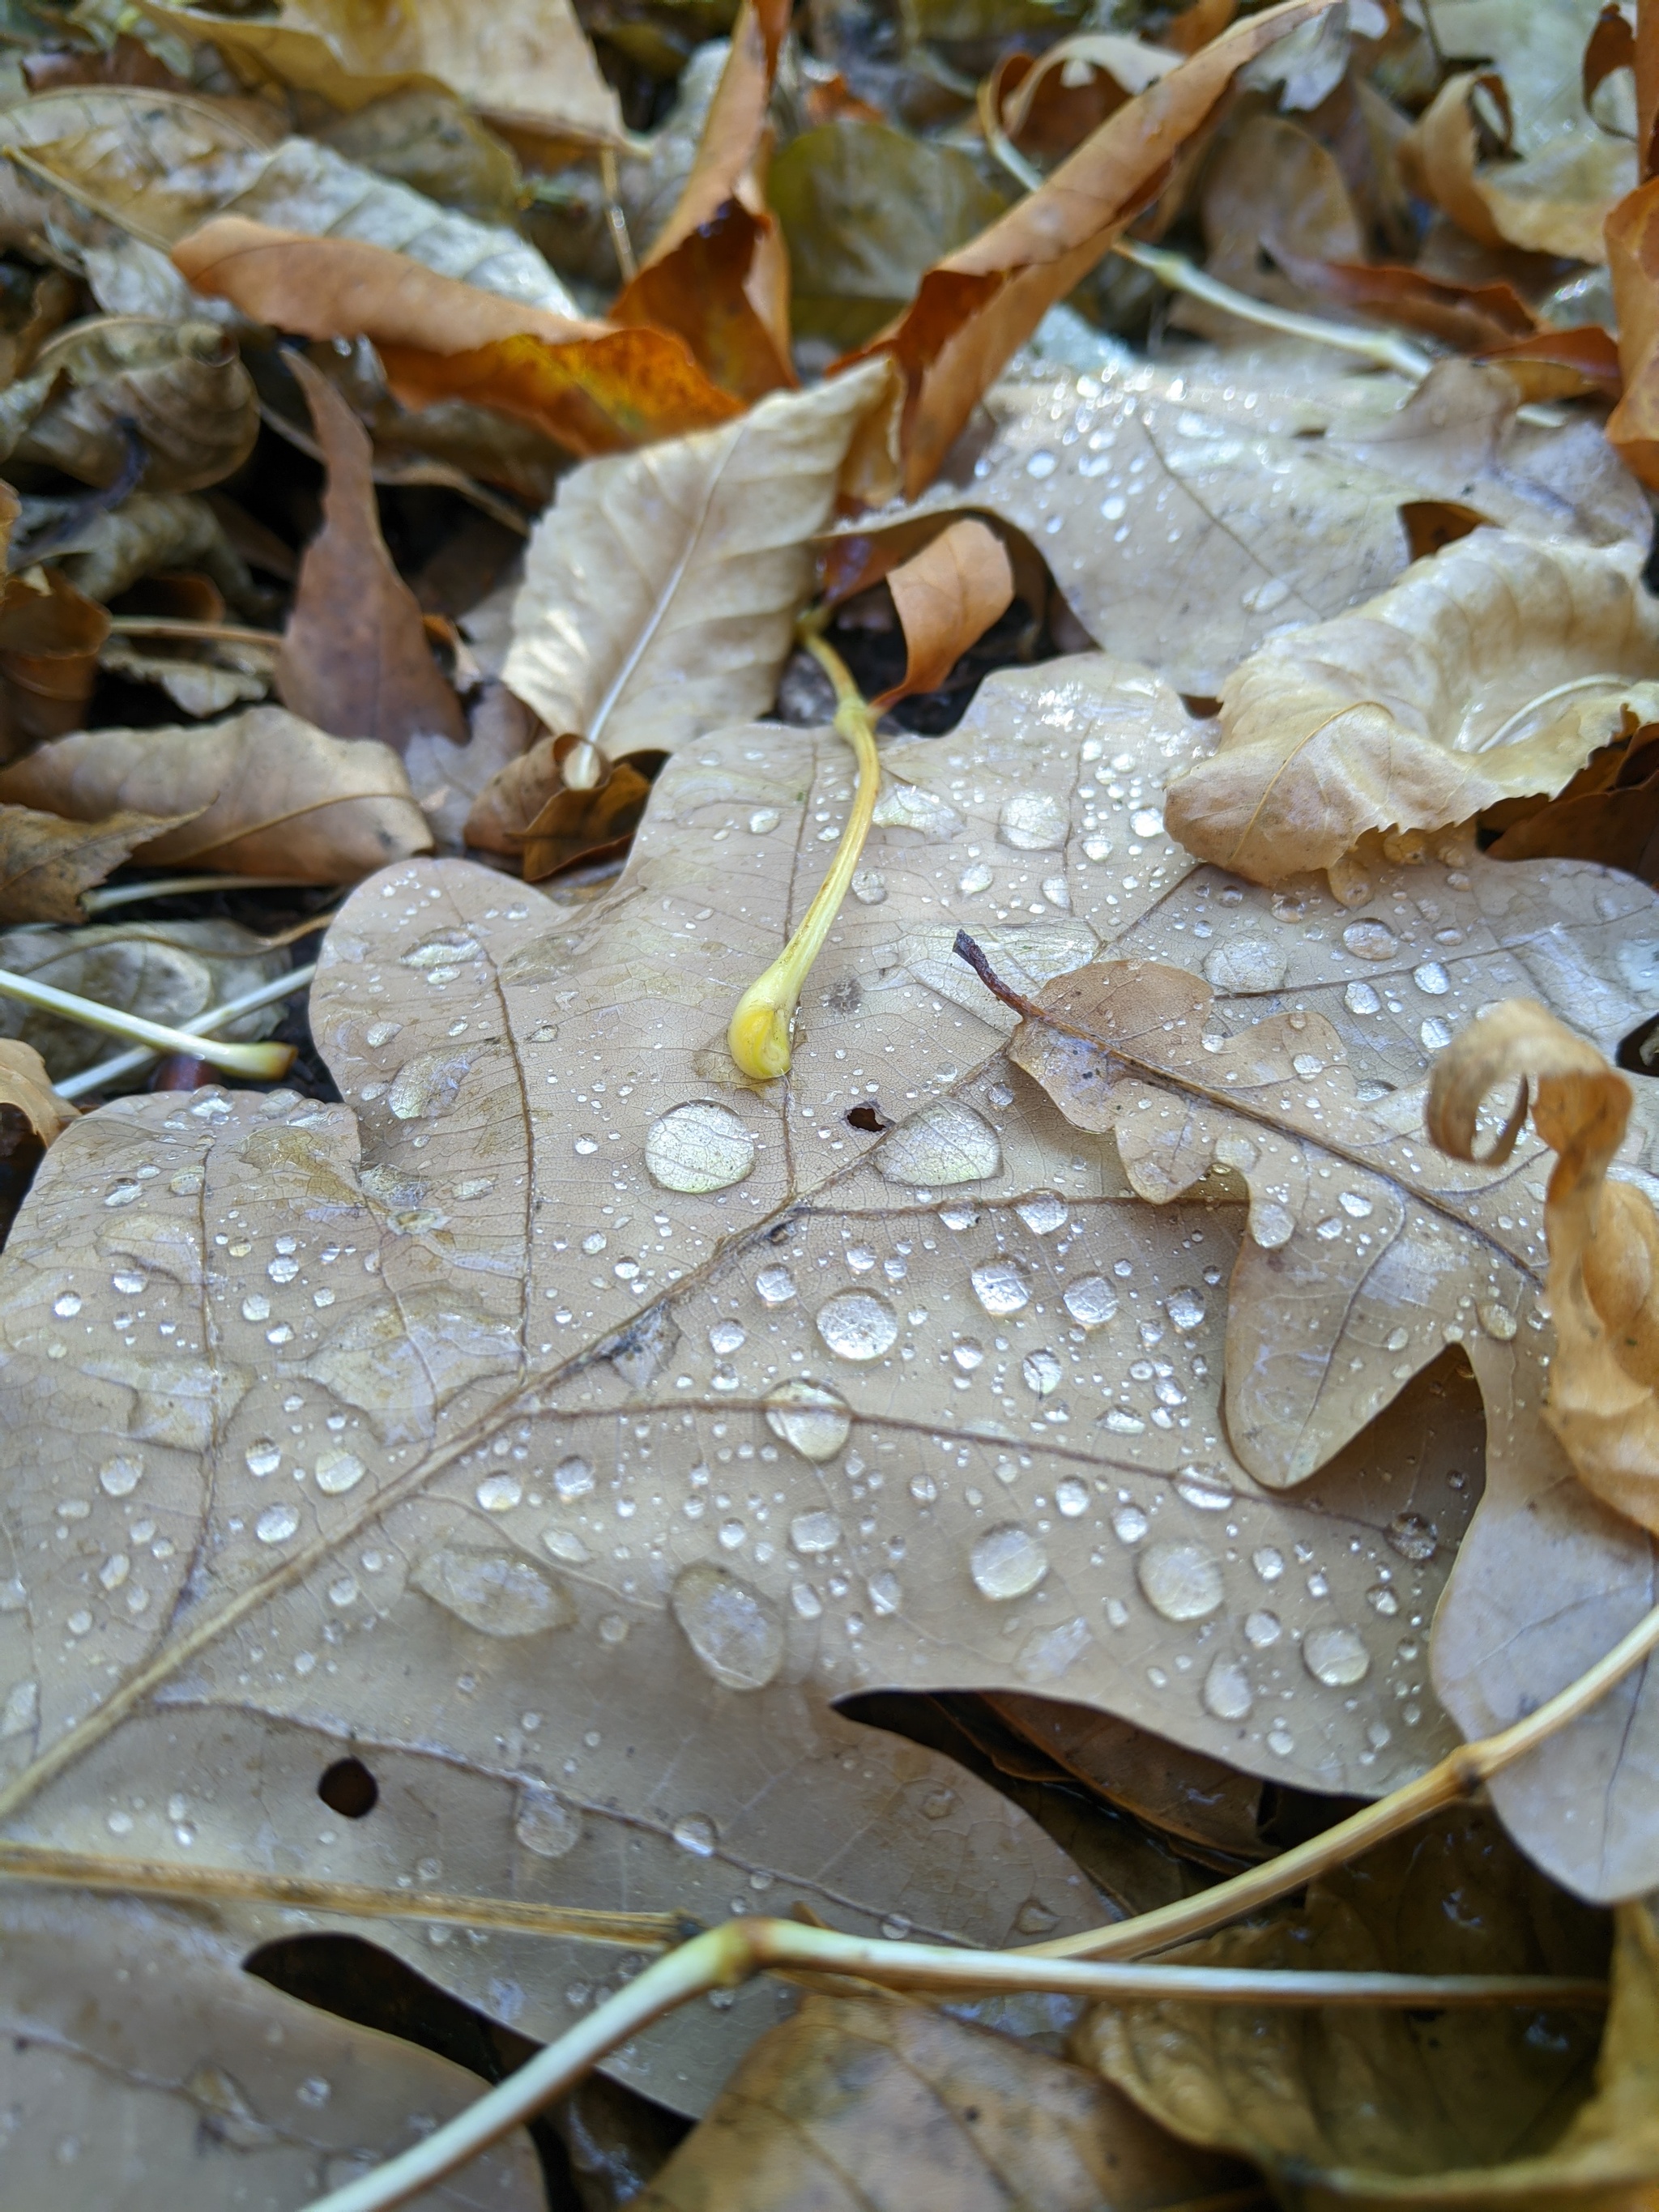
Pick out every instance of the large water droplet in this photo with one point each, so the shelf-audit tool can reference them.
(1227, 1692)
(1431, 978)
(544, 1824)
(428, 1083)
(776, 1287)
(66, 1306)
(1180, 1581)
(815, 1532)
(944, 1142)
(499, 1493)
(572, 1478)
(1043, 1213)
(1129, 1524)
(1185, 1308)
(1050, 1652)
(811, 1420)
(338, 1471)
(1335, 1656)
(736, 1631)
(497, 1593)
(699, 1146)
(857, 1325)
(1033, 822)
(120, 1476)
(1262, 1629)
(1245, 964)
(1413, 1536)
(1000, 1287)
(277, 1524)
(1370, 940)
(1090, 1302)
(1006, 1562)
(1071, 1496)
(1042, 1371)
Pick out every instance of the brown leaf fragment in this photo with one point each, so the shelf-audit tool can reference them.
(978, 304)
(1609, 813)
(518, 792)
(947, 596)
(25, 1084)
(1633, 234)
(597, 824)
(1611, 46)
(179, 387)
(355, 659)
(270, 794)
(1473, 317)
(49, 646)
(1603, 1235)
(871, 2103)
(47, 861)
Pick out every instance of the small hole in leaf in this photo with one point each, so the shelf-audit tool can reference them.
(869, 1117)
(1638, 1053)
(350, 1789)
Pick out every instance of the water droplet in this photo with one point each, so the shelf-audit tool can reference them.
(1146, 822)
(775, 1287)
(120, 1476)
(277, 1524)
(1335, 1656)
(1413, 1537)
(1206, 1490)
(499, 1493)
(944, 1143)
(1268, 1563)
(1090, 1302)
(1431, 978)
(572, 1478)
(613, 1628)
(975, 879)
(696, 1833)
(21, 1708)
(698, 1147)
(968, 1355)
(1186, 1308)
(1370, 940)
(1033, 822)
(1042, 1371)
(1360, 999)
(1180, 1581)
(544, 1824)
(1245, 964)
(1383, 1598)
(1006, 1562)
(726, 1337)
(857, 1325)
(811, 1419)
(1041, 463)
(498, 1592)
(1262, 1629)
(764, 820)
(283, 1270)
(1043, 1213)
(1497, 1321)
(66, 1307)
(1281, 1741)
(564, 1544)
(444, 949)
(1129, 1524)
(338, 1471)
(886, 1593)
(1000, 1287)
(1227, 1692)
(806, 1600)
(1399, 1339)
(815, 1532)
(256, 1308)
(869, 886)
(734, 1630)
(115, 1571)
(1071, 1496)
(1434, 1035)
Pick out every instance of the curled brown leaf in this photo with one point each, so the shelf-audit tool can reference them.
(948, 595)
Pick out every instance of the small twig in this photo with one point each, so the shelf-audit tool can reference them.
(615, 216)
(204, 633)
(159, 887)
(965, 949)
(259, 1061)
(216, 1017)
(731, 1955)
(758, 1035)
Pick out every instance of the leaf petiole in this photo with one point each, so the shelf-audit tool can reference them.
(758, 1035)
(260, 1062)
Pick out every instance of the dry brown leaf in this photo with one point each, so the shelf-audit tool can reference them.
(1608, 813)
(976, 306)
(49, 640)
(523, 61)
(1491, 671)
(948, 595)
(574, 826)
(149, 534)
(355, 659)
(595, 390)
(661, 589)
(867, 2101)
(1273, 194)
(179, 387)
(1504, 2109)
(1603, 1236)
(1471, 317)
(274, 795)
(25, 1084)
(1632, 235)
(1047, 104)
(1555, 201)
(46, 861)
(516, 793)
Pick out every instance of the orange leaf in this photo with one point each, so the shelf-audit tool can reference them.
(948, 596)
(701, 292)
(1473, 317)
(1633, 265)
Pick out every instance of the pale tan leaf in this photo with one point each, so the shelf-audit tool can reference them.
(948, 596)
(47, 862)
(867, 2104)
(25, 1083)
(528, 61)
(179, 387)
(661, 589)
(273, 795)
(1491, 671)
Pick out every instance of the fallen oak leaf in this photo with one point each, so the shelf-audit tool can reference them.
(976, 306)
(947, 596)
(355, 659)
(46, 861)
(271, 794)
(1490, 671)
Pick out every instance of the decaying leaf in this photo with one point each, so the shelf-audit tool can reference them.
(51, 635)
(1491, 672)
(1373, 2109)
(26, 1086)
(867, 2100)
(947, 597)
(179, 387)
(661, 589)
(106, 552)
(263, 793)
(1603, 1236)
(355, 659)
(47, 862)
(526, 61)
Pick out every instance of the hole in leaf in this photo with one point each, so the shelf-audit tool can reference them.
(869, 1116)
(349, 1789)
(1639, 1052)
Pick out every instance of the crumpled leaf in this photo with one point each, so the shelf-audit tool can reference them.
(179, 387)
(50, 640)
(1603, 1236)
(115, 548)
(660, 590)
(947, 597)
(1372, 2109)
(355, 659)
(25, 1084)
(271, 794)
(1489, 672)
(168, 971)
(977, 305)
(1049, 103)
(216, 2083)
(868, 2100)
(594, 389)
(526, 62)
(47, 862)
(1608, 813)
(574, 826)
(518, 791)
